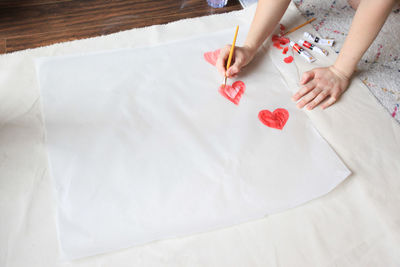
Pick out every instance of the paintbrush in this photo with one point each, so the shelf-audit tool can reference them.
(228, 63)
(298, 27)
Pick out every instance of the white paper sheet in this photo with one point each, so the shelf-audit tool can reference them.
(142, 146)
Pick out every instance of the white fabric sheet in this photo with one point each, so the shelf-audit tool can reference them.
(357, 224)
(143, 147)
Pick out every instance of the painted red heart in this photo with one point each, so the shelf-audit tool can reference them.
(276, 119)
(211, 57)
(233, 92)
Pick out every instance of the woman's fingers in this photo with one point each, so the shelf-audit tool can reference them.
(320, 97)
(241, 57)
(308, 97)
(322, 86)
(235, 68)
(304, 90)
(222, 58)
(331, 100)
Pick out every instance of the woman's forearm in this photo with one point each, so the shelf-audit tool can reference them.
(367, 22)
(268, 14)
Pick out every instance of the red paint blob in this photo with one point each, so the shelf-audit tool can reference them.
(288, 59)
(278, 41)
(282, 27)
(212, 56)
(285, 50)
(233, 92)
(281, 40)
(276, 119)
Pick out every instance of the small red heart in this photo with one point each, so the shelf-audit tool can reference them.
(233, 92)
(211, 57)
(276, 119)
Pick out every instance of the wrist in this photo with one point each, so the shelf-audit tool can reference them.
(250, 49)
(344, 73)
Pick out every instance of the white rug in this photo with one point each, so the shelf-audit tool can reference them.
(379, 68)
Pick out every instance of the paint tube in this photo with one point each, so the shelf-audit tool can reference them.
(312, 47)
(318, 40)
(302, 52)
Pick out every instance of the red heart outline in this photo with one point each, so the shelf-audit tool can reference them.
(212, 56)
(233, 92)
(276, 119)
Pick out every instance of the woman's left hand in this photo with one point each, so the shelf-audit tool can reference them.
(321, 84)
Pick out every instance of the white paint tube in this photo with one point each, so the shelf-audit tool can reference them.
(318, 40)
(312, 47)
(302, 52)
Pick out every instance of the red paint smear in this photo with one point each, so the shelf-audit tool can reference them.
(233, 92)
(212, 56)
(285, 50)
(394, 112)
(282, 27)
(281, 40)
(276, 119)
(277, 45)
(288, 59)
(278, 41)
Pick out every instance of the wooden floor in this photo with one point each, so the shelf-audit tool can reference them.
(32, 23)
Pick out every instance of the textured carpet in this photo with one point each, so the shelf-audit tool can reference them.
(379, 68)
